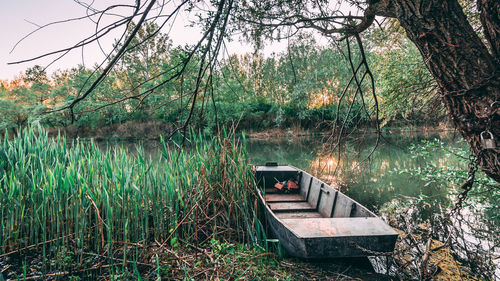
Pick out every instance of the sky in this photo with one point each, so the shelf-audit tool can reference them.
(20, 17)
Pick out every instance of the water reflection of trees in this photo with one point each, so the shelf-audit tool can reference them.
(372, 182)
(468, 254)
(375, 181)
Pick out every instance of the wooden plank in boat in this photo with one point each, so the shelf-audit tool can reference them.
(335, 227)
(298, 215)
(272, 190)
(283, 198)
(291, 206)
(343, 206)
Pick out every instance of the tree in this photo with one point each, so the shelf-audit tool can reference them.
(466, 72)
(465, 68)
(38, 82)
(406, 89)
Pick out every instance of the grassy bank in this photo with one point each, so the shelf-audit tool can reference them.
(75, 210)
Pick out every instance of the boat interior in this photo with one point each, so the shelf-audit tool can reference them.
(315, 209)
(313, 199)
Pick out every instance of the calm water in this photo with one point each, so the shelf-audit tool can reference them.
(372, 182)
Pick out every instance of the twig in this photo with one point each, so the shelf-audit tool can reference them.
(34, 246)
(99, 220)
(177, 227)
(66, 272)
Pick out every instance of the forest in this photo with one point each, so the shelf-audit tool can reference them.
(299, 89)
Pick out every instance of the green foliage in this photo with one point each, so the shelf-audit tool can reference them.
(297, 88)
(407, 92)
(75, 200)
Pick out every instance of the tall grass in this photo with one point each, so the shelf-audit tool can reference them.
(55, 195)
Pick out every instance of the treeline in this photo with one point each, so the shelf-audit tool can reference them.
(300, 88)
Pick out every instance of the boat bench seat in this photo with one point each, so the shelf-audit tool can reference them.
(335, 227)
(275, 191)
(291, 206)
(284, 197)
(298, 215)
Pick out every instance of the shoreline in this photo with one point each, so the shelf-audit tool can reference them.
(134, 131)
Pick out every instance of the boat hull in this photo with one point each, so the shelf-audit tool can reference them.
(326, 233)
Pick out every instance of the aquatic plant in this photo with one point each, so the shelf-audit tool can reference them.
(71, 196)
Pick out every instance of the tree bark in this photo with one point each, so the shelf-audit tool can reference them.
(466, 72)
(490, 19)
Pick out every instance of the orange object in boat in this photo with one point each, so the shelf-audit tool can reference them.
(292, 185)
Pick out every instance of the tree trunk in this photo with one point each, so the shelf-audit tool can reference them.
(467, 73)
(490, 19)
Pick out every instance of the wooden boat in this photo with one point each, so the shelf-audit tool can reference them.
(317, 221)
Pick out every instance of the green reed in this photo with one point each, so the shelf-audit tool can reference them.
(56, 195)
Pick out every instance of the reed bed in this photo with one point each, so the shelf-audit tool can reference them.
(58, 197)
